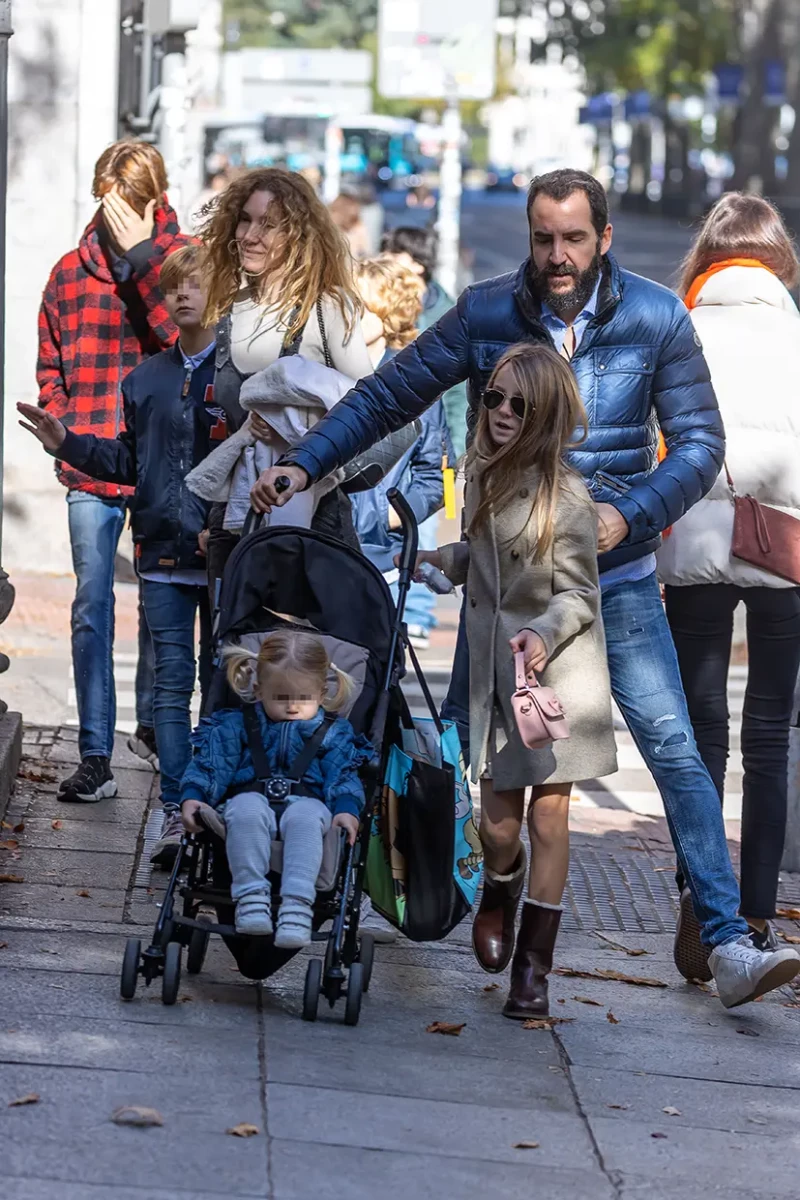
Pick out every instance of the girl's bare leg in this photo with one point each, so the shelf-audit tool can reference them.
(548, 824)
(501, 823)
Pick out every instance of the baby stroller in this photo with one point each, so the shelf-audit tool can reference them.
(279, 577)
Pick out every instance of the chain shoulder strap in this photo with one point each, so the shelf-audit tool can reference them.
(325, 347)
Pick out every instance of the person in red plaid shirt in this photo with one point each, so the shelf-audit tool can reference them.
(102, 313)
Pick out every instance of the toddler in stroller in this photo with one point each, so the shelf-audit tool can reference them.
(282, 763)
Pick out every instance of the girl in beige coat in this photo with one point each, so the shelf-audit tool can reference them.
(529, 563)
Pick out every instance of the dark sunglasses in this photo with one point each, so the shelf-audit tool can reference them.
(493, 398)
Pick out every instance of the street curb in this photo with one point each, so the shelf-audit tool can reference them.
(10, 755)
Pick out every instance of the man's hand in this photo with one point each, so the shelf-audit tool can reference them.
(264, 496)
(202, 542)
(44, 426)
(533, 648)
(189, 811)
(612, 528)
(350, 823)
(124, 224)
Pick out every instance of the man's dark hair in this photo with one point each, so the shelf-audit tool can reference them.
(559, 185)
(420, 244)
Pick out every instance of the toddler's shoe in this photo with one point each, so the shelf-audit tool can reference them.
(294, 923)
(254, 914)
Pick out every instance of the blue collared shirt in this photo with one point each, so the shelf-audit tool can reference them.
(557, 328)
(192, 362)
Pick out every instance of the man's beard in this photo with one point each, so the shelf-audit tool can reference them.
(579, 295)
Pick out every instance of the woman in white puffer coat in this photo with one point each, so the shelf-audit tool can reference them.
(735, 283)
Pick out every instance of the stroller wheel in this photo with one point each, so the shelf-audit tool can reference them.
(311, 990)
(172, 973)
(355, 988)
(130, 969)
(198, 944)
(366, 956)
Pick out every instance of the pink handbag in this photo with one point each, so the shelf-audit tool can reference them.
(537, 710)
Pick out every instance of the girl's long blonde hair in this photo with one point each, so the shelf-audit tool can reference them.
(394, 293)
(311, 258)
(554, 421)
(289, 653)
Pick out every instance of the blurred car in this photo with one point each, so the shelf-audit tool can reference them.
(505, 179)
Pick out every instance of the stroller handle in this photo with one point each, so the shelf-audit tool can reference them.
(408, 524)
(254, 520)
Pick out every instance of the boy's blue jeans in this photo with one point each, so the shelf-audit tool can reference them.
(95, 525)
(646, 684)
(171, 609)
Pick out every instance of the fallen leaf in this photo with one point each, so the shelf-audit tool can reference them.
(616, 976)
(791, 1004)
(701, 986)
(789, 914)
(662, 869)
(621, 1107)
(20, 828)
(671, 1111)
(6, 825)
(9, 844)
(84, 892)
(56, 824)
(587, 1000)
(561, 1002)
(12, 879)
(525, 1146)
(612, 1020)
(132, 1114)
(36, 775)
(758, 1120)
(748, 1032)
(787, 937)
(3, 945)
(641, 848)
(658, 1135)
(546, 1022)
(31, 1098)
(186, 999)
(446, 1027)
(244, 1130)
(618, 945)
(491, 987)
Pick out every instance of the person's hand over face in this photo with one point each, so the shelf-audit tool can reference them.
(124, 224)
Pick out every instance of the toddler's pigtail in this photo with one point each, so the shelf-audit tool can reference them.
(344, 690)
(241, 669)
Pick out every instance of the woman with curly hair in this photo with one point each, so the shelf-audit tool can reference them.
(392, 296)
(279, 282)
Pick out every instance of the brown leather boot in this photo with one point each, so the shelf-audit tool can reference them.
(493, 927)
(533, 962)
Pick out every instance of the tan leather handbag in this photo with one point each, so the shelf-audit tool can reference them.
(765, 537)
(538, 712)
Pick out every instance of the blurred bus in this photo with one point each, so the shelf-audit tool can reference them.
(384, 150)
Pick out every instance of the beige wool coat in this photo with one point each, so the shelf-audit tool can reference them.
(558, 598)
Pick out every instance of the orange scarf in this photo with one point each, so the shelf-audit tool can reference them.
(691, 297)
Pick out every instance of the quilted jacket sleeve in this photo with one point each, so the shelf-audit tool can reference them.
(689, 418)
(389, 399)
(344, 753)
(219, 746)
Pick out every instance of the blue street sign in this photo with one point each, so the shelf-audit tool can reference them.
(637, 104)
(730, 78)
(774, 82)
(599, 110)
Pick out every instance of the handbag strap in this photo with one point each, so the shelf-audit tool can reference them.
(519, 667)
(303, 760)
(326, 350)
(729, 478)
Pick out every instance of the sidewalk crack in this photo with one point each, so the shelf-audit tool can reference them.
(614, 1177)
(262, 1077)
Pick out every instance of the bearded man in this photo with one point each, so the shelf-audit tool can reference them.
(640, 368)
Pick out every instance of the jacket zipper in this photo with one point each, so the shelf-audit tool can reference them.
(616, 485)
(186, 403)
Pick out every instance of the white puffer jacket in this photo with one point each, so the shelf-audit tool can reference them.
(750, 329)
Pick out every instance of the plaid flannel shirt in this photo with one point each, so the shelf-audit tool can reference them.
(93, 330)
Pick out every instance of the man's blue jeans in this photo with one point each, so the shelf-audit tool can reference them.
(646, 685)
(171, 609)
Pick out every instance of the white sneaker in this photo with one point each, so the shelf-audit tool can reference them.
(418, 636)
(371, 922)
(743, 973)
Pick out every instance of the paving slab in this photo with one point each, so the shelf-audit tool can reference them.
(58, 1189)
(112, 837)
(73, 868)
(69, 1135)
(64, 903)
(448, 1129)
(304, 1170)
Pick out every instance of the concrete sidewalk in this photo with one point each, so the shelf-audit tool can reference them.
(382, 1110)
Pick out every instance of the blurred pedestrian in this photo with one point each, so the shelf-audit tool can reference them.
(102, 313)
(417, 249)
(735, 282)
(345, 212)
(280, 283)
(531, 572)
(639, 365)
(392, 294)
(170, 423)
(372, 215)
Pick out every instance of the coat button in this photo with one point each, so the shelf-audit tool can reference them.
(524, 493)
(515, 554)
(474, 602)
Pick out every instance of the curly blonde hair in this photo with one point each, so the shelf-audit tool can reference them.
(394, 293)
(311, 257)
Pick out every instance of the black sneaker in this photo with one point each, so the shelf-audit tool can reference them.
(142, 743)
(690, 954)
(91, 782)
(765, 940)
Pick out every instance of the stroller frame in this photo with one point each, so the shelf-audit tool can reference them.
(347, 965)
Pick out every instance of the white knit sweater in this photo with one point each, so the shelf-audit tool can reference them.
(750, 329)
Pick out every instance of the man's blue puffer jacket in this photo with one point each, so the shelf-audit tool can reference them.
(639, 367)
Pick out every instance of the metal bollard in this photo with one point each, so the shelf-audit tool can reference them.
(791, 848)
